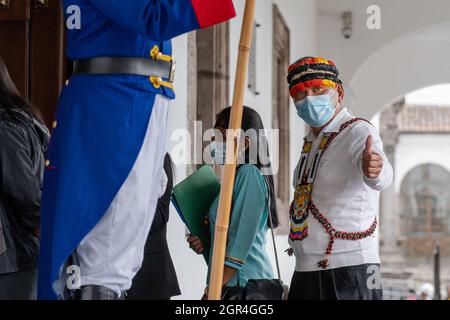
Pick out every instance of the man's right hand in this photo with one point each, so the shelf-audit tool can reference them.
(195, 244)
(372, 164)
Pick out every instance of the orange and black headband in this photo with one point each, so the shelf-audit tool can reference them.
(312, 72)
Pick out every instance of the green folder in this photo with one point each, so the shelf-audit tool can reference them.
(192, 199)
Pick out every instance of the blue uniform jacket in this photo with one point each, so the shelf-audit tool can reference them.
(101, 121)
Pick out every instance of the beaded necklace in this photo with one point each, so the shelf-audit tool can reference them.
(303, 203)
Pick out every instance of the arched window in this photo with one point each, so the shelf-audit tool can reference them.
(425, 201)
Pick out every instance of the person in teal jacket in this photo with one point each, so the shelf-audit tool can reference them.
(253, 201)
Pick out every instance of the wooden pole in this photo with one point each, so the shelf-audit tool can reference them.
(226, 191)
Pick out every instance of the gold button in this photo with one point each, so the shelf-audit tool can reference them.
(54, 124)
(156, 81)
(47, 163)
(67, 82)
(154, 52)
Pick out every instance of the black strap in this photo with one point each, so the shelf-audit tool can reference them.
(272, 232)
(124, 65)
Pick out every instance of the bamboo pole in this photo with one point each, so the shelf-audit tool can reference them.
(226, 192)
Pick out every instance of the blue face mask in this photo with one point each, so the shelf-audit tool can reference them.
(316, 111)
(219, 153)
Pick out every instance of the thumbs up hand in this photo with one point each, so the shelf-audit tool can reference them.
(372, 163)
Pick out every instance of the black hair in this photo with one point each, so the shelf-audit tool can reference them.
(10, 98)
(252, 120)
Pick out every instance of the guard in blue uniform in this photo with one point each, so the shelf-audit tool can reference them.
(105, 161)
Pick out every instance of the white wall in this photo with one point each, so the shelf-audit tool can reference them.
(379, 66)
(300, 16)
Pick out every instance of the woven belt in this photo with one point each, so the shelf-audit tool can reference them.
(126, 66)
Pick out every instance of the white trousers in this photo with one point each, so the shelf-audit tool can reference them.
(112, 253)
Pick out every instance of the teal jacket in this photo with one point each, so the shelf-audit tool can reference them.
(247, 233)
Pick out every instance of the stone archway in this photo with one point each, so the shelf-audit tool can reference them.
(414, 137)
(400, 66)
(425, 201)
(424, 208)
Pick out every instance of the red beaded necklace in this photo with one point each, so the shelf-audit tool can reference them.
(332, 232)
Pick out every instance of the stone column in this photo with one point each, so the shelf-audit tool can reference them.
(208, 85)
(391, 253)
(396, 276)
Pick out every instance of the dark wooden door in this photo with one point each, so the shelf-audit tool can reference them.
(32, 45)
(280, 113)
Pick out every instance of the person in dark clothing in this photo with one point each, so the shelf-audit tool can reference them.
(23, 140)
(157, 280)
